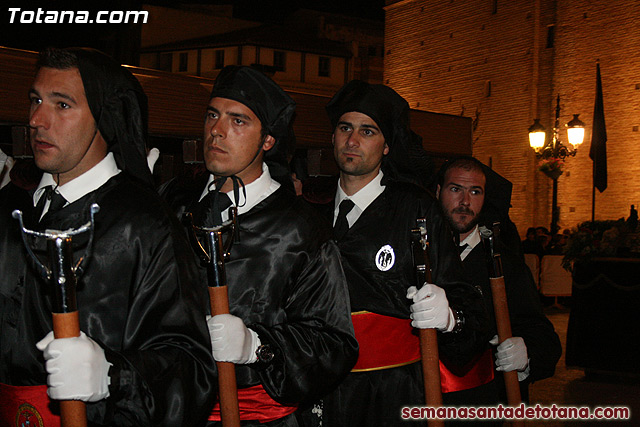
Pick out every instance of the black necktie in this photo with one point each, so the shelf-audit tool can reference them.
(342, 225)
(57, 201)
(206, 213)
(461, 248)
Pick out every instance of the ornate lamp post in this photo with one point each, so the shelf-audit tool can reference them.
(555, 151)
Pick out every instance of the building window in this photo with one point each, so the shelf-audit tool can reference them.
(184, 61)
(494, 7)
(324, 65)
(372, 51)
(165, 60)
(551, 35)
(487, 88)
(219, 59)
(278, 60)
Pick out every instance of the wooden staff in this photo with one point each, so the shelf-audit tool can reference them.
(501, 309)
(73, 413)
(428, 337)
(63, 275)
(219, 301)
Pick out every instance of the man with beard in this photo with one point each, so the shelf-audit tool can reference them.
(471, 195)
(289, 332)
(143, 355)
(377, 204)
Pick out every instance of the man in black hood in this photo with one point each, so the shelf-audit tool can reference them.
(142, 357)
(472, 195)
(377, 204)
(289, 331)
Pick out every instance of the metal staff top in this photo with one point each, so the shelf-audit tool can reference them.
(214, 252)
(420, 250)
(61, 270)
(489, 239)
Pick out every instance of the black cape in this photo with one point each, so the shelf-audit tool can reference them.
(525, 311)
(136, 299)
(375, 398)
(286, 283)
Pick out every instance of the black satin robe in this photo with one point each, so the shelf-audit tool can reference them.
(376, 397)
(286, 283)
(527, 321)
(136, 299)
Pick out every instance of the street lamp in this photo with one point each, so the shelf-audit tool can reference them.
(555, 151)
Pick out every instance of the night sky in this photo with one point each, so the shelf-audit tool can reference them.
(119, 40)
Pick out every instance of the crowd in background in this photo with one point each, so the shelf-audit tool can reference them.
(539, 241)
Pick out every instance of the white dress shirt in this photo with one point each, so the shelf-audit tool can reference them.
(471, 241)
(362, 199)
(257, 191)
(80, 186)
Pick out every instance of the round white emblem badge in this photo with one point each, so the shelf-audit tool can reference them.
(385, 258)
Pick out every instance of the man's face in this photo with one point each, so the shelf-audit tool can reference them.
(64, 137)
(358, 145)
(462, 197)
(233, 144)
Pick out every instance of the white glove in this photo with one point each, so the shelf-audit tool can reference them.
(77, 368)
(231, 340)
(430, 308)
(152, 158)
(512, 355)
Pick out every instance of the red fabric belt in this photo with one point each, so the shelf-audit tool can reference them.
(255, 404)
(385, 342)
(388, 342)
(480, 373)
(26, 406)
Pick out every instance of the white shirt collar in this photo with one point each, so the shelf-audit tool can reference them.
(257, 191)
(362, 198)
(82, 185)
(471, 241)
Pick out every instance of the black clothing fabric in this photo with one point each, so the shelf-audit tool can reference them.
(119, 107)
(205, 211)
(286, 283)
(379, 395)
(136, 299)
(525, 311)
(56, 202)
(342, 225)
(484, 395)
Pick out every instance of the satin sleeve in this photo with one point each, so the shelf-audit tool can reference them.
(315, 347)
(163, 373)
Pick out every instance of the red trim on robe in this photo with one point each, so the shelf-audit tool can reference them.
(255, 404)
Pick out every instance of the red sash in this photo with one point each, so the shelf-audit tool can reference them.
(385, 342)
(255, 404)
(388, 342)
(26, 406)
(481, 373)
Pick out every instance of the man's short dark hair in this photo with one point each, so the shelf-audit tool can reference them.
(466, 163)
(60, 59)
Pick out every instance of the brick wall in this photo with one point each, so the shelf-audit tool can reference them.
(493, 65)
